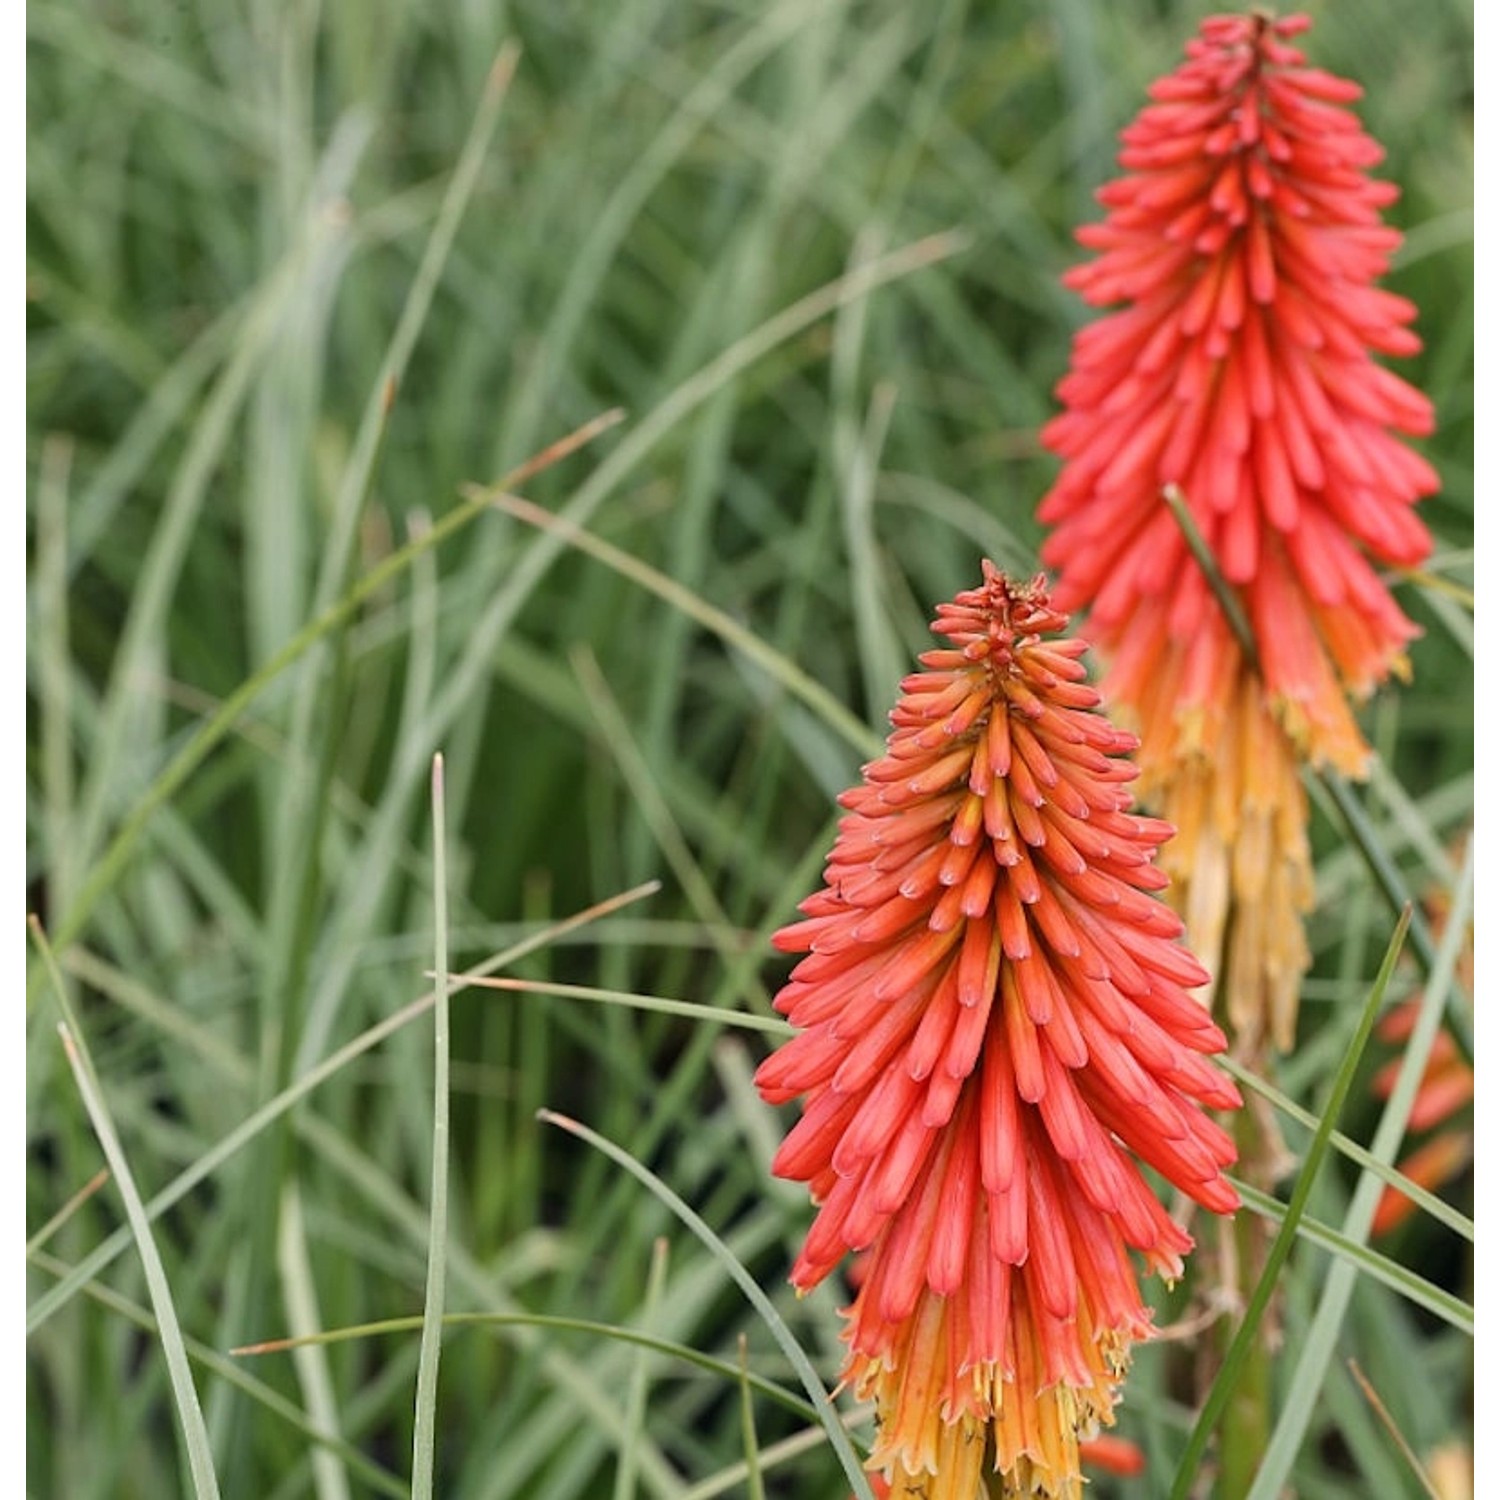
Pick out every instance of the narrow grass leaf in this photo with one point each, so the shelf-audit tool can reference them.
(161, 566)
(1428, 1202)
(635, 1405)
(360, 469)
(732, 1477)
(832, 1426)
(856, 454)
(1224, 593)
(651, 1342)
(109, 866)
(67, 1211)
(1388, 879)
(653, 807)
(300, 1294)
(1416, 1289)
(424, 1441)
(745, 1020)
(189, 1412)
(50, 634)
(672, 409)
(1387, 1421)
(754, 1484)
(787, 673)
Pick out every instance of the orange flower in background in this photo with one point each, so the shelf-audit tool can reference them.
(1244, 240)
(995, 1015)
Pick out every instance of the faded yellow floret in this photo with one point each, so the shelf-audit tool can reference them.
(1240, 866)
(993, 1431)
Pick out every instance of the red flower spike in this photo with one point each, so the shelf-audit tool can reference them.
(1244, 240)
(996, 1018)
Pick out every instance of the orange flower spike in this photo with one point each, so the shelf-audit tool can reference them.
(996, 1019)
(1244, 240)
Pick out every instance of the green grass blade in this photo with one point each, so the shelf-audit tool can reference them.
(662, 419)
(754, 1484)
(737, 1474)
(1429, 1203)
(330, 1476)
(857, 448)
(1403, 1446)
(1416, 1289)
(1249, 1329)
(50, 634)
(745, 1020)
(189, 1413)
(424, 1443)
(1225, 595)
(163, 560)
(635, 1404)
(1391, 885)
(360, 469)
(66, 1212)
(654, 810)
(832, 1426)
(639, 1338)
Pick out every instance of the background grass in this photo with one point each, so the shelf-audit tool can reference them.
(245, 219)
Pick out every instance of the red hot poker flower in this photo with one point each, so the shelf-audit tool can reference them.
(1244, 240)
(995, 1016)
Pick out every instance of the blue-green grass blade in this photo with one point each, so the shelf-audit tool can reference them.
(661, 1004)
(811, 1383)
(189, 1412)
(109, 866)
(1428, 1202)
(424, 1440)
(635, 1406)
(1416, 1289)
(652, 1343)
(785, 672)
(753, 1482)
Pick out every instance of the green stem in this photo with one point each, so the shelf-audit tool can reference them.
(1246, 1427)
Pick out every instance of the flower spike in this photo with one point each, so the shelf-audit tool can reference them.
(996, 1027)
(1244, 240)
